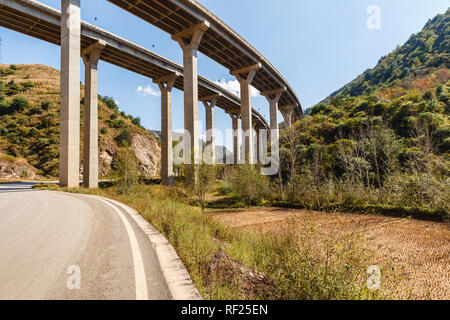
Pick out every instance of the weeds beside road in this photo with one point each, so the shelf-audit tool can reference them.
(232, 264)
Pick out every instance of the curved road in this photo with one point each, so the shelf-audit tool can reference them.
(66, 246)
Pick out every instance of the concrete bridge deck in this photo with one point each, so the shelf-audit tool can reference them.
(220, 42)
(43, 22)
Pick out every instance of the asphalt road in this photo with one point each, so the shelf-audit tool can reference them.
(65, 246)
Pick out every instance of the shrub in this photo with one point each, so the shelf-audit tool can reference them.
(224, 189)
(136, 121)
(250, 184)
(6, 72)
(206, 178)
(46, 105)
(2, 90)
(302, 266)
(19, 104)
(110, 103)
(124, 138)
(14, 67)
(27, 85)
(103, 130)
(113, 116)
(35, 111)
(13, 88)
(33, 132)
(127, 168)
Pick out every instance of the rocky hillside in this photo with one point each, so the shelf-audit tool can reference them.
(29, 127)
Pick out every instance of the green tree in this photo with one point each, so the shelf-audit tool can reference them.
(248, 182)
(127, 168)
(206, 179)
(137, 121)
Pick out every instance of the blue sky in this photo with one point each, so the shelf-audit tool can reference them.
(318, 45)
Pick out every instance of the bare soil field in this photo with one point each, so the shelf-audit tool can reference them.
(418, 252)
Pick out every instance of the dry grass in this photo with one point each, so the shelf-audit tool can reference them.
(419, 251)
(46, 80)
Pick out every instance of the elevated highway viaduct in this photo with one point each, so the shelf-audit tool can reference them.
(75, 37)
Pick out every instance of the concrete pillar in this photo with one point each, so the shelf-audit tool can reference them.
(69, 167)
(189, 40)
(210, 103)
(258, 145)
(236, 151)
(273, 97)
(90, 56)
(166, 84)
(245, 77)
(287, 113)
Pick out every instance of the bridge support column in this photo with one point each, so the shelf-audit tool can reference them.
(69, 168)
(245, 77)
(189, 40)
(90, 56)
(236, 151)
(210, 103)
(287, 113)
(258, 145)
(273, 97)
(166, 84)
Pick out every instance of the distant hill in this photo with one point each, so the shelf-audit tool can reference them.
(423, 54)
(29, 126)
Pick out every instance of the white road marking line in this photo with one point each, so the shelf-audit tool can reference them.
(139, 271)
(177, 278)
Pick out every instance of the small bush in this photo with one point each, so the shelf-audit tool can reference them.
(225, 189)
(19, 104)
(206, 178)
(110, 103)
(35, 111)
(6, 72)
(46, 105)
(124, 138)
(104, 131)
(136, 121)
(14, 67)
(127, 168)
(250, 184)
(33, 132)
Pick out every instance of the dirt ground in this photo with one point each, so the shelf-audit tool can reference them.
(418, 250)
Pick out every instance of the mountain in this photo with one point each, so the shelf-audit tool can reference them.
(388, 127)
(423, 54)
(29, 127)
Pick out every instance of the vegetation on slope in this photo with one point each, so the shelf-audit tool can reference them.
(382, 141)
(29, 118)
(424, 53)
